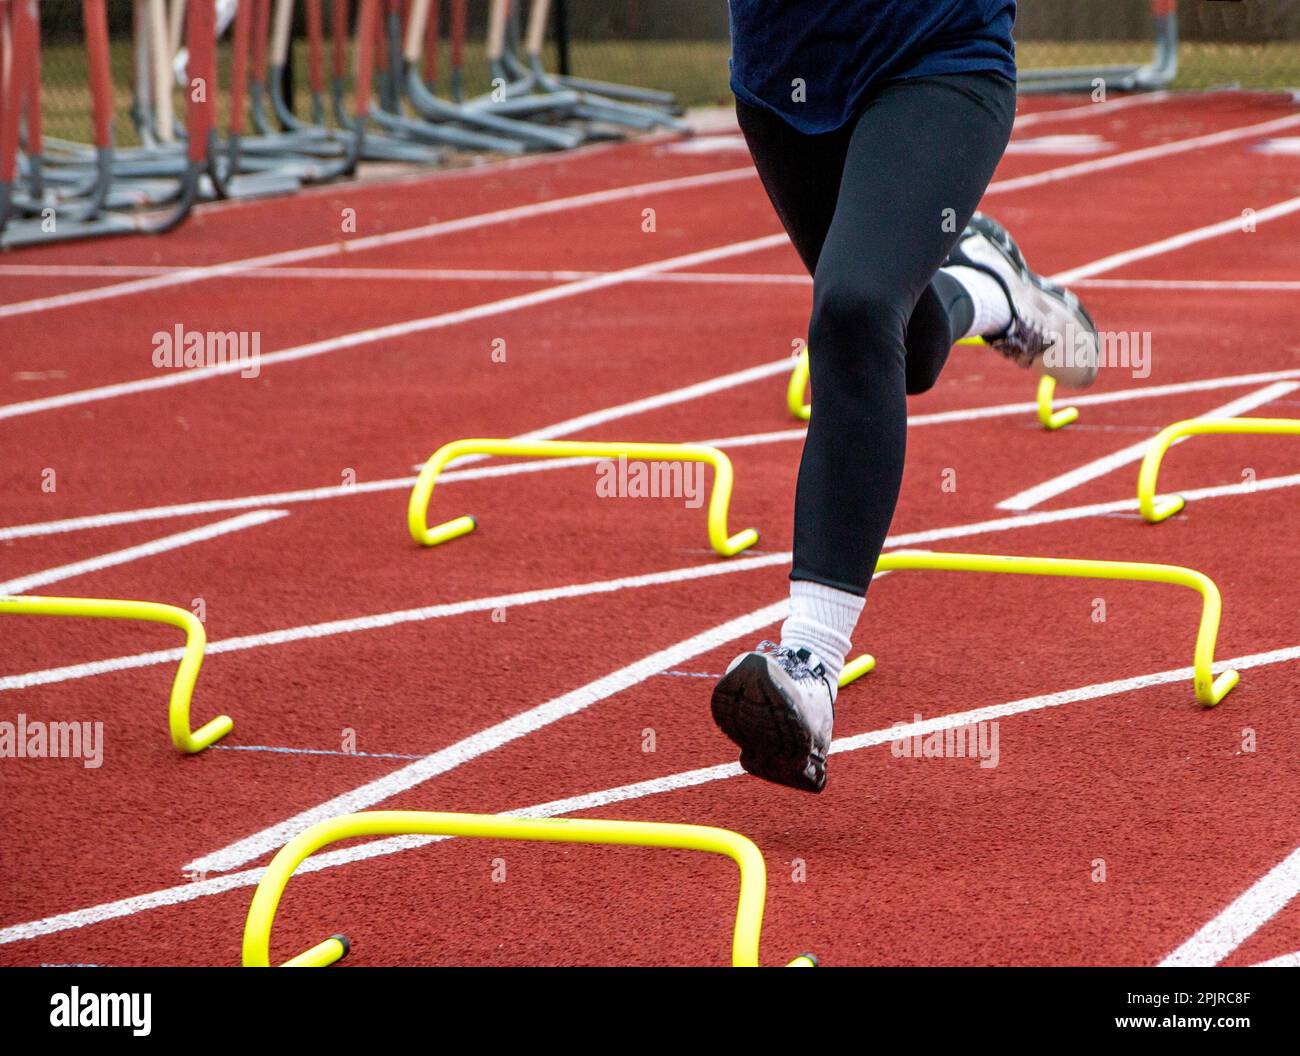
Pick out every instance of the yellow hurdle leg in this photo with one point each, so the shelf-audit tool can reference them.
(178, 712)
(1155, 509)
(322, 955)
(266, 899)
(856, 668)
(1048, 416)
(1209, 690)
(417, 510)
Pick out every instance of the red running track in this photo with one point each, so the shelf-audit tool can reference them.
(900, 861)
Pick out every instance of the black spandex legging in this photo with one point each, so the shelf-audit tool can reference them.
(874, 209)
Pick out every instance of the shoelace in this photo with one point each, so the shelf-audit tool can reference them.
(1024, 342)
(793, 662)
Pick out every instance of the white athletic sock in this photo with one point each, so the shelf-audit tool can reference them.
(992, 309)
(822, 621)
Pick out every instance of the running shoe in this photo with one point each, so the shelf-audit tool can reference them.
(778, 705)
(1050, 329)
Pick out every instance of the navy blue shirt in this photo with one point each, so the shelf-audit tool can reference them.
(840, 50)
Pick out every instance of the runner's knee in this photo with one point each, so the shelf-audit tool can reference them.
(857, 323)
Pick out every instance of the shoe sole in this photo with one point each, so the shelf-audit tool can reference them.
(774, 745)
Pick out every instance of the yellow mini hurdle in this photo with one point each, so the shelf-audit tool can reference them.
(1049, 417)
(719, 500)
(1155, 509)
(1209, 690)
(178, 712)
(266, 899)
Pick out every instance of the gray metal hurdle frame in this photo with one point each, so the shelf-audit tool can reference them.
(531, 80)
(1158, 73)
(425, 102)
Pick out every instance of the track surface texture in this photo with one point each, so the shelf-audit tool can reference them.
(526, 667)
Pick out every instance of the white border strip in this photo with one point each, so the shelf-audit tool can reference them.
(1244, 916)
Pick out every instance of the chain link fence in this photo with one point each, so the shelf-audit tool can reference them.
(682, 46)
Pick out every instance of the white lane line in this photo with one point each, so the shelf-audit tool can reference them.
(1245, 285)
(740, 278)
(1287, 960)
(781, 366)
(1233, 225)
(377, 621)
(1090, 109)
(1132, 157)
(591, 419)
(277, 749)
(492, 308)
(1057, 143)
(22, 584)
(1147, 392)
(406, 274)
(488, 740)
(691, 674)
(563, 428)
(390, 238)
(1039, 493)
(389, 331)
(1282, 145)
(207, 887)
(665, 399)
(1076, 513)
(382, 620)
(1241, 918)
(190, 509)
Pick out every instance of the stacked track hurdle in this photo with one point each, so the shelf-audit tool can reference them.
(44, 195)
(371, 95)
(1159, 72)
(53, 189)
